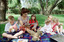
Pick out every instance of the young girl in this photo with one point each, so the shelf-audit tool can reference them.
(33, 22)
(57, 26)
(50, 17)
(47, 27)
(59, 29)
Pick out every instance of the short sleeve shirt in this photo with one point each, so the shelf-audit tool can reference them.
(7, 26)
(24, 21)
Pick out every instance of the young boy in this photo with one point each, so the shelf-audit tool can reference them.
(8, 30)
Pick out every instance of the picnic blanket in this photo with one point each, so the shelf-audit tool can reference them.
(58, 37)
(43, 38)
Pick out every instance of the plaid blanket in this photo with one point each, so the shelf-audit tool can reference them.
(43, 38)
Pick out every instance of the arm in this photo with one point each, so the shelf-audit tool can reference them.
(7, 26)
(57, 29)
(61, 29)
(30, 22)
(35, 24)
(21, 22)
(11, 29)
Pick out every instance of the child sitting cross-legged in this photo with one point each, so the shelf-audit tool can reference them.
(57, 26)
(11, 28)
(60, 29)
(47, 27)
(33, 22)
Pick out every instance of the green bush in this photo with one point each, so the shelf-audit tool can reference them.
(57, 12)
(34, 10)
(16, 11)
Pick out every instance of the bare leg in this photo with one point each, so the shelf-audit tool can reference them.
(30, 32)
(19, 33)
(34, 34)
(8, 35)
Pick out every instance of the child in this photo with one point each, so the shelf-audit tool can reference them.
(33, 22)
(50, 17)
(35, 35)
(8, 28)
(13, 28)
(59, 29)
(24, 27)
(47, 27)
(57, 26)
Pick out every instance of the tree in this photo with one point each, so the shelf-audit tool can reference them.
(48, 7)
(3, 7)
(12, 3)
(61, 5)
(14, 6)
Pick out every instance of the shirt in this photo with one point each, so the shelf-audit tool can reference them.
(47, 27)
(33, 22)
(24, 21)
(7, 26)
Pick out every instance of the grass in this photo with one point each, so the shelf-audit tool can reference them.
(40, 18)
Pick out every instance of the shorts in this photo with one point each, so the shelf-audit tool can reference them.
(12, 33)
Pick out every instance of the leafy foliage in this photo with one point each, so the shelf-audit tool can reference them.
(61, 5)
(14, 6)
(34, 10)
(12, 3)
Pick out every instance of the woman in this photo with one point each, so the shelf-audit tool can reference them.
(24, 19)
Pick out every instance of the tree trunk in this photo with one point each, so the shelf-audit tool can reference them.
(42, 6)
(47, 7)
(54, 5)
(48, 11)
(3, 10)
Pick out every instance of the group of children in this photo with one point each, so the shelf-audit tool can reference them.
(52, 26)
(13, 30)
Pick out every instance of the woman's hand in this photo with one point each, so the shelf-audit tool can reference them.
(21, 22)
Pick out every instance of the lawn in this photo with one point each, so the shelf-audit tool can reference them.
(40, 18)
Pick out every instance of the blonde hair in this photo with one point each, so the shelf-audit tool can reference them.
(55, 20)
(50, 15)
(47, 21)
(10, 18)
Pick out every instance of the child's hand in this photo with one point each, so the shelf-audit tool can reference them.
(10, 29)
(40, 27)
